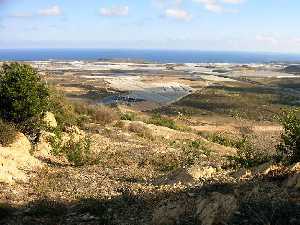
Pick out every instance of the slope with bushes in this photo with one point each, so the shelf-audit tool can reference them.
(101, 165)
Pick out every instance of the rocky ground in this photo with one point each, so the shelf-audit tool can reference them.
(146, 173)
(147, 179)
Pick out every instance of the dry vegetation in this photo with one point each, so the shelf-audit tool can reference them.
(107, 167)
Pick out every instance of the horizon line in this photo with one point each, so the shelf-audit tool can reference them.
(151, 49)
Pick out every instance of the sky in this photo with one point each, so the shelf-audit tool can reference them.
(216, 25)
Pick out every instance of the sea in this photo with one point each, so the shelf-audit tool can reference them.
(150, 55)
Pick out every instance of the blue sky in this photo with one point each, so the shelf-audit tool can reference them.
(238, 25)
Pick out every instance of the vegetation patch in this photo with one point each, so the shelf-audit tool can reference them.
(191, 151)
(128, 116)
(23, 95)
(159, 120)
(105, 115)
(247, 156)
(288, 150)
(8, 133)
(141, 130)
(77, 151)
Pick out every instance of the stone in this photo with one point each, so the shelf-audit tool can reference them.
(216, 208)
(293, 181)
(242, 174)
(295, 168)
(50, 120)
(16, 161)
(197, 172)
(188, 175)
(168, 214)
(43, 148)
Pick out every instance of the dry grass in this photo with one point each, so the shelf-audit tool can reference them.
(141, 130)
(105, 115)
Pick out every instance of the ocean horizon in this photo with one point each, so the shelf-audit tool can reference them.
(149, 55)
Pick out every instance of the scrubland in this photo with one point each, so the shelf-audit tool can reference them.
(228, 153)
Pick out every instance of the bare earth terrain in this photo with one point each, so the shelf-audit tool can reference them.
(149, 171)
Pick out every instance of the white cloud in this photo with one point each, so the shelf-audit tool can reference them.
(178, 14)
(211, 5)
(51, 11)
(233, 1)
(216, 6)
(115, 11)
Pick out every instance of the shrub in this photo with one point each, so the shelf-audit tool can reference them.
(193, 151)
(157, 119)
(288, 151)
(246, 155)
(63, 110)
(7, 133)
(140, 129)
(128, 116)
(22, 93)
(105, 115)
(83, 108)
(78, 152)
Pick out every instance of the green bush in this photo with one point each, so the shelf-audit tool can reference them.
(7, 133)
(128, 116)
(246, 155)
(193, 152)
(157, 119)
(288, 151)
(226, 141)
(78, 152)
(23, 95)
(63, 110)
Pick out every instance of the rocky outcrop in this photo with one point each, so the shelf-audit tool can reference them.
(43, 148)
(215, 209)
(16, 161)
(262, 170)
(169, 213)
(188, 175)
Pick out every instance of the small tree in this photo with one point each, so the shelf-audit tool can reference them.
(23, 96)
(289, 148)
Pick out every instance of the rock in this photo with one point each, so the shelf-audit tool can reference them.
(293, 181)
(189, 175)
(262, 170)
(243, 174)
(16, 161)
(217, 208)
(197, 172)
(295, 168)
(43, 148)
(168, 214)
(50, 120)
(266, 169)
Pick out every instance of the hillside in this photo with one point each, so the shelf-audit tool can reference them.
(208, 158)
